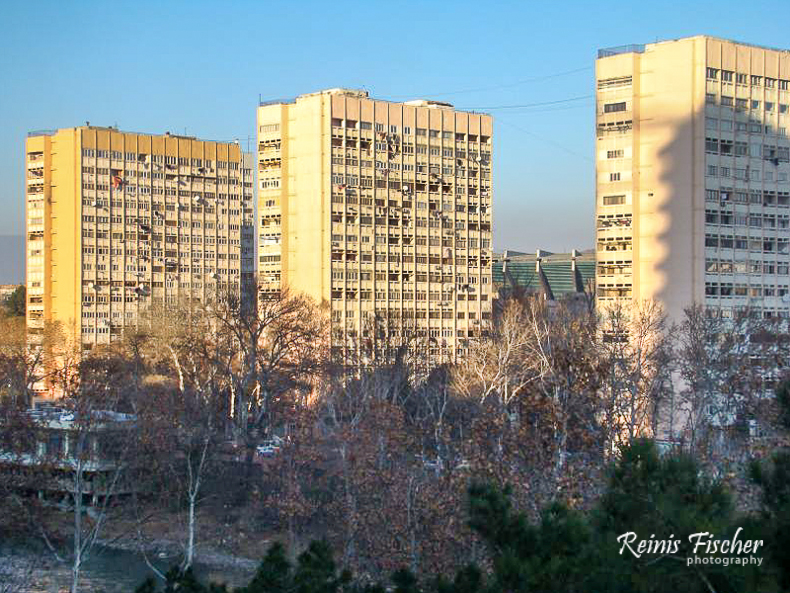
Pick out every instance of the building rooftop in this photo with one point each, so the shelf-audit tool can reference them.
(359, 93)
(555, 275)
(640, 48)
(88, 126)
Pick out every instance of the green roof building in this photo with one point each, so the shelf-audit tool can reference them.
(553, 275)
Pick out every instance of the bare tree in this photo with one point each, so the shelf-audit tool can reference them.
(266, 349)
(715, 362)
(182, 428)
(502, 362)
(20, 363)
(89, 445)
(636, 357)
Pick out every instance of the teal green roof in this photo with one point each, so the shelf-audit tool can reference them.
(560, 277)
(556, 268)
(523, 274)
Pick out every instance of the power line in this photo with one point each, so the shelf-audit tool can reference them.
(548, 140)
(540, 104)
(529, 111)
(550, 109)
(497, 87)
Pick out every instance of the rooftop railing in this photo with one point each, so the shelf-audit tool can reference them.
(42, 133)
(633, 48)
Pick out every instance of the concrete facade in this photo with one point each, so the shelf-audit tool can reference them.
(383, 210)
(693, 198)
(117, 220)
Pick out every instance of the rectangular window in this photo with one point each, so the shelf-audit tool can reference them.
(614, 176)
(613, 200)
(614, 107)
(614, 154)
(712, 73)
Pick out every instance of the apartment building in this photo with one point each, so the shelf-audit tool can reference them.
(118, 220)
(381, 209)
(693, 196)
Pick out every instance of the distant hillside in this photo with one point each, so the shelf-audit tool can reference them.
(12, 259)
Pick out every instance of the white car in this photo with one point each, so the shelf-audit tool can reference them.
(267, 449)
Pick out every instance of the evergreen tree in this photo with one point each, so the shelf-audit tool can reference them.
(549, 556)
(663, 498)
(774, 479)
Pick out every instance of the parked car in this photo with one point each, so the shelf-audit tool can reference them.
(434, 464)
(463, 464)
(266, 450)
(269, 447)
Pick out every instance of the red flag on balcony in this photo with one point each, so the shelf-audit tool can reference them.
(117, 181)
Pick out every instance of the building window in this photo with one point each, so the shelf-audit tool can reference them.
(613, 200)
(713, 73)
(615, 154)
(614, 107)
(614, 176)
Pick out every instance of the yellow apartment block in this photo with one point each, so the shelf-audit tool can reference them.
(116, 221)
(383, 210)
(693, 195)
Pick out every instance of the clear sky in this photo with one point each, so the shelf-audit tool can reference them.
(199, 67)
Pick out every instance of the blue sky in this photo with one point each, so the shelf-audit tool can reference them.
(199, 67)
